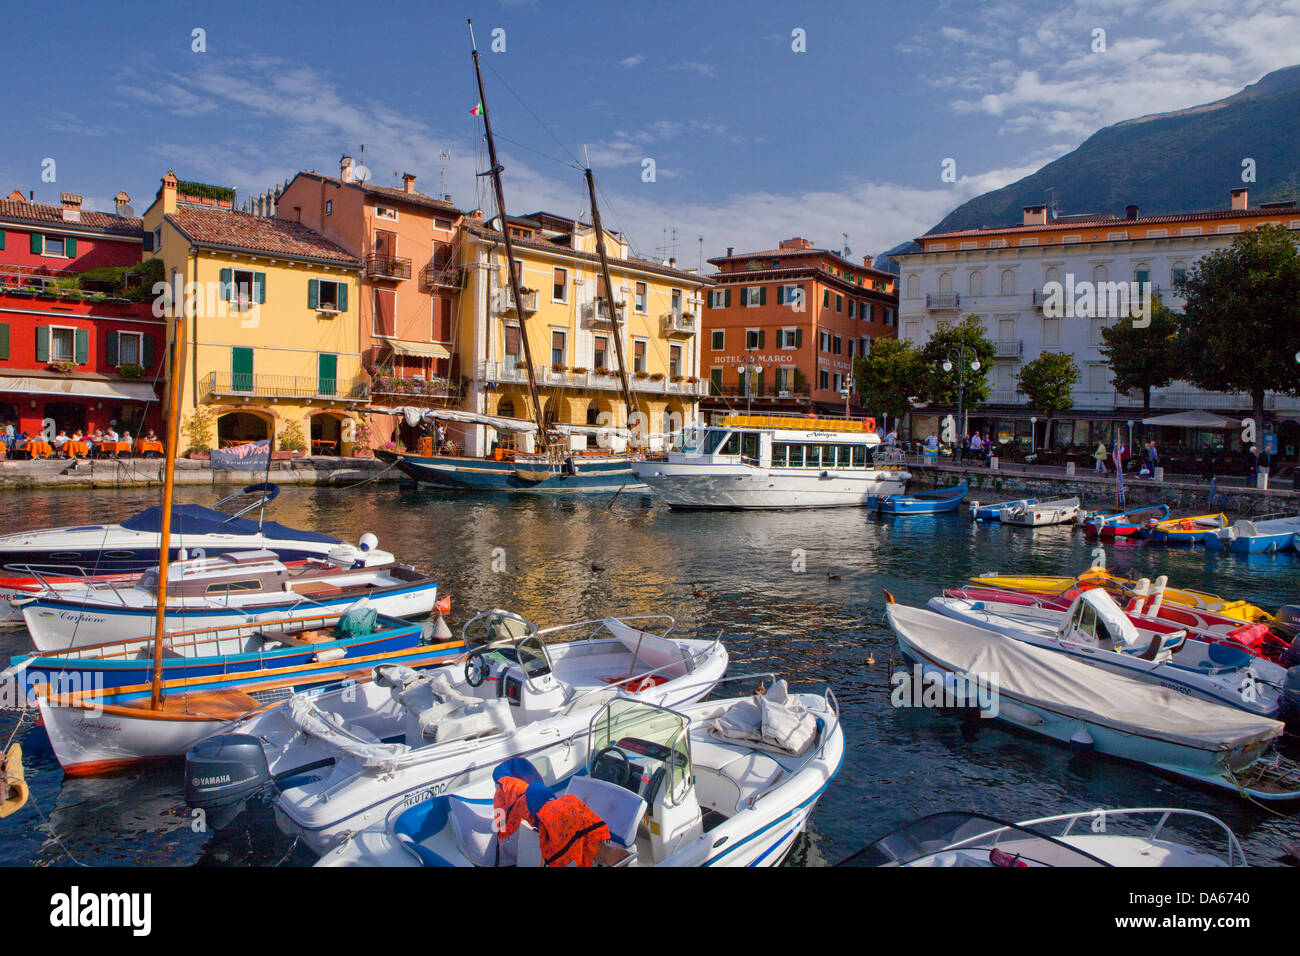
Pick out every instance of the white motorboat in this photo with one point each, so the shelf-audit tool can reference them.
(520, 692)
(1135, 837)
(223, 589)
(993, 511)
(1097, 631)
(1094, 709)
(766, 461)
(715, 783)
(1042, 513)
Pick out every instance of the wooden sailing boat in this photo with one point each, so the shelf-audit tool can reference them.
(93, 730)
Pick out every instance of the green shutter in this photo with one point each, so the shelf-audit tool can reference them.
(343, 296)
(110, 348)
(798, 338)
(762, 336)
(146, 350)
(81, 346)
(313, 293)
(762, 295)
(38, 244)
(227, 281)
(780, 295)
(42, 343)
(715, 379)
(259, 287)
(241, 369)
(826, 298)
(327, 367)
(70, 247)
(728, 298)
(744, 297)
(4, 340)
(759, 390)
(2, 238)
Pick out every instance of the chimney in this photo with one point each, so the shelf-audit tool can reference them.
(345, 168)
(672, 263)
(446, 197)
(1241, 198)
(796, 243)
(408, 183)
(1130, 211)
(70, 200)
(123, 203)
(17, 196)
(1035, 215)
(169, 192)
(731, 250)
(867, 260)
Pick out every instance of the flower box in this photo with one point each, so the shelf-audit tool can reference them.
(577, 370)
(657, 377)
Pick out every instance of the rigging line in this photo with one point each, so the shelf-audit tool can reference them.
(535, 116)
(530, 149)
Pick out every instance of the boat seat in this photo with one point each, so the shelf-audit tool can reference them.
(529, 850)
(750, 772)
(620, 808)
(476, 838)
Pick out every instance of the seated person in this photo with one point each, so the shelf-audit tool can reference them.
(60, 440)
(111, 434)
(151, 436)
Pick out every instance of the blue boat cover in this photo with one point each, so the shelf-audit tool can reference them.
(196, 519)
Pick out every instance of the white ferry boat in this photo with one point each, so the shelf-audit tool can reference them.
(766, 461)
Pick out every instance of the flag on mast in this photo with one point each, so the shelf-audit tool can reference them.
(477, 110)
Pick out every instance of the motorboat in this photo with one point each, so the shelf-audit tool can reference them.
(1043, 513)
(982, 511)
(1133, 837)
(776, 461)
(1263, 535)
(1122, 524)
(1095, 710)
(228, 588)
(519, 690)
(1097, 631)
(1185, 531)
(939, 501)
(132, 546)
(727, 782)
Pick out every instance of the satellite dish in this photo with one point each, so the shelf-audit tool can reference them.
(361, 173)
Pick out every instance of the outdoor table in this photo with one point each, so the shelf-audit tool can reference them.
(143, 446)
(324, 445)
(76, 449)
(36, 448)
(112, 448)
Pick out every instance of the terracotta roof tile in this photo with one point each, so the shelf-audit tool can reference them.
(399, 195)
(804, 253)
(1117, 221)
(46, 214)
(241, 231)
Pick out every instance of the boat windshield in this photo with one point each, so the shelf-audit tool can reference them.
(972, 840)
(645, 733)
(690, 438)
(713, 440)
(496, 628)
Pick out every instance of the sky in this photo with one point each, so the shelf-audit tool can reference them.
(763, 120)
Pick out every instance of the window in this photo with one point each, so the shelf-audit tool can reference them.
(791, 295)
(640, 301)
(130, 349)
(913, 287)
(325, 295)
(1179, 272)
(1008, 282)
(557, 347)
(975, 283)
(1094, 331)
(329, 206)
(638, 355)
(823, 379)
(157, 240)
(55, 246)
(837, 345)
(560, 285)
(789, 338)
(244, 288)
(835, 381)
(754, 338)
(675, 361)
(1029, 242)
(677, 303)
(1156, 233)
(513, 347)
(824, 342)
(719, 340)
(1100, 274)
(62, 345)
(853, 309)
(386, 212)
(383, 322)
(839, 303)
(865, 347)
(1142, 275)
(753, 298)
(826, 298)
(715, 379)
(720, 298)
(1051, 333)
(600, 351)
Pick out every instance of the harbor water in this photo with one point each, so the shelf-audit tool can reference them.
(795, 593)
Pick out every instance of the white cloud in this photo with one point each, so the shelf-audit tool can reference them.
(636, 59)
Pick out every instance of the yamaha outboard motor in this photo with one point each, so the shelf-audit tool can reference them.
(222, 773)
(1286, 625)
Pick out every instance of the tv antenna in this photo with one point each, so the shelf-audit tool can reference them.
(669, 249)
(361, 172)
(443, 158)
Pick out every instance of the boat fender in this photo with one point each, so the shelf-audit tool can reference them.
(1018, 714)
(1082, 741)
(333, 654)
(570, 468)
(13, 782)
(368, 542)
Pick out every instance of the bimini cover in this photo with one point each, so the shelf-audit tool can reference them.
(1117, 623)
(1051, 679)
(770, 721)
(196, 519)
(328, 728)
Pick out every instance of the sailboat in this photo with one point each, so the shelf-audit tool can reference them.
(94, 730)
(554, 466)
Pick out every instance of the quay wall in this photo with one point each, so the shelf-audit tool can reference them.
(148, 473)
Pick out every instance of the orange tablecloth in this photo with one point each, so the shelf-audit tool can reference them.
(76, 449)
(113, 447)
(37, 448)
(143, 445)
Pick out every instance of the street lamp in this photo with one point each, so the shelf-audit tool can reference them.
(957, 357)
(750, 369)
(1033, 433)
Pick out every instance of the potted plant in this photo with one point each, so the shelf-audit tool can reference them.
(62, 366)
(578, 370)
(292, 440)
(640, 375)
(604, 371)
(657, 377)
(130, 371)
(678, 379)
(197, 428)
(361, 439)
(558, 367)
(521, 364)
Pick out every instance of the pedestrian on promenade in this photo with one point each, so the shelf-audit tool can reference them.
(1100, 455)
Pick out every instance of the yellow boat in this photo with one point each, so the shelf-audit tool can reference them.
(1238, 610)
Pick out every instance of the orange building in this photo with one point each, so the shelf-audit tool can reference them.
(782, 327)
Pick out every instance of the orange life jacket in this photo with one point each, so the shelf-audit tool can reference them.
(569, 832)
(508, 806)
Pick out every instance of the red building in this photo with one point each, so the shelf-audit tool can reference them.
(782, 327)
(77, 349)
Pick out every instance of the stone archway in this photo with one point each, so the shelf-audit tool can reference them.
(243, 425)
(326, 432)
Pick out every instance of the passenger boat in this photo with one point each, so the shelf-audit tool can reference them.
(776, 461)
(1043, 513)
(1092, 709)
(703, 784)
(1097, 631)
(1262, 535)
(1122, 524)
(518, 691)
(939, 501)
(132, 546)
(1184, 532)
(1135, 837)
(228, 589)
(980, 511)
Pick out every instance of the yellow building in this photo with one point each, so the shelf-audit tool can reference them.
(272, 340)
(570, 333)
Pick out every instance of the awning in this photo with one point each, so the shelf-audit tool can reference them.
(422, 349)
(1193, 420)
(122, 391)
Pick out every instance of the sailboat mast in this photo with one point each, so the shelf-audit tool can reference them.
(510, 249)
(169, 473)
(609, 297)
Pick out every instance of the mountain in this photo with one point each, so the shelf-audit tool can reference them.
(1165, 163)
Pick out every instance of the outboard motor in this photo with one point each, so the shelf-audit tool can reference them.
(1286, 625)
(1291, 693)
(222, 773)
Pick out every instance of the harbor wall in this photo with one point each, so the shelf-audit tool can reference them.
(148, 473)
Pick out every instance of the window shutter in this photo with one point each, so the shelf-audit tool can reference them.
(780, 295)
(761, 337)
(762, 295)
(110, 348)
(313, 293)
(227, 281)
(798, 338)
(81, 340)
(259, 287)
(2, 238)
(146, 351)
(148, 242)
(38, 244)
(42, 343)
(826, 298)
(759, 390)
(744, 297)
(4, 340)
(728, 298)
(70, 247)
(343, 296)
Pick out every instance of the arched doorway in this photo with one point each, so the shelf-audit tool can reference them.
(68, 417)
(593, 413)
(327, 433)
(239, 427)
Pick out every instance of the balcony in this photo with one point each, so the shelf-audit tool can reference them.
(678, 324)
(503, 300)
(943, 302)
(1039, 297)
(1006, 396)
(441, 276)
(1008, 348)
(225, 385)
(509, 372)
(596, 313)
(433, 392)
(388, 267)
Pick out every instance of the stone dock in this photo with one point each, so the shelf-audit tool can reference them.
(147, 473)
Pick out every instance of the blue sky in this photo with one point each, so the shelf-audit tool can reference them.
(752, 141)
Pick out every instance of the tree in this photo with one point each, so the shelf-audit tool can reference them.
(941, 386)
(1241, 324)
(1145, 357)
(1048, 382)
(888, 375)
